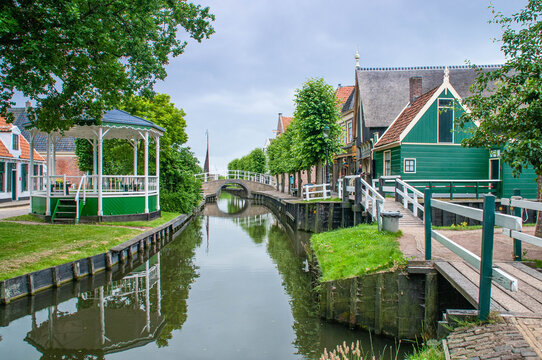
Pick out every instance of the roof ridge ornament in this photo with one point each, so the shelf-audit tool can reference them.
(446, 75)
(357, 59)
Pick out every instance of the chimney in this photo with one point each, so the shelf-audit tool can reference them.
(340, 85)
(27, 104)
(415, 83)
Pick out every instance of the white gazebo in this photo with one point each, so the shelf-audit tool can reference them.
(99, 197)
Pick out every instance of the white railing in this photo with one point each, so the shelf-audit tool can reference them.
(316, 192)
(82, 184)
(239, 175)
(388, 183)
(508, 222)
(111, 184)
(370, 198)
(410, 195)
(523, 204)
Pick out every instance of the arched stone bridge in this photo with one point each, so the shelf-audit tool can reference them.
(250, 182)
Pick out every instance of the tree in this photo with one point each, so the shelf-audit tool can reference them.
(76, 59)
(255, 161)
(316, 108)
(510, 111)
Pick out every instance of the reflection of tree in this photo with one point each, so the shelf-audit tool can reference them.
(179, 272)
(298, 285)
(255, 227)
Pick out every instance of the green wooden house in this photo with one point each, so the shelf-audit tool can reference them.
(424, 143)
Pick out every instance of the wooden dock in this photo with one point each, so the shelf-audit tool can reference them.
(526, 301)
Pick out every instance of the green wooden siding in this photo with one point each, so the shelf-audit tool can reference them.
(425, 131)
(396, 168)
(526, 182)
(111, 205)
(445, 162)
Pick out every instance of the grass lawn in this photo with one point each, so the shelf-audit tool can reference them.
(29, 247)
(334, 199)
(356, 251)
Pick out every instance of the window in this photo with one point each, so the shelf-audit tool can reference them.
(445, 120)
(409, 166)
(349, 131)
(387, 163)
(24, 177)
(15, 143)
(2, 175)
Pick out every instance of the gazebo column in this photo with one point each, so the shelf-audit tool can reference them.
(146, 138)
(134, 145)
(100, 170)
(48, 178)
(94, 165)
(53, 166)
(157, 141)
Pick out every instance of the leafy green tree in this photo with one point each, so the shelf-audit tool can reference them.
(76, 59)
(255, 161)
(316, 108)
(510, 112)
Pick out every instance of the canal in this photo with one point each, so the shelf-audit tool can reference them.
(233, 285)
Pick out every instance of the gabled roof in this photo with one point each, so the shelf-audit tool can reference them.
(4, 152)
(404, 119)
(384, 92)
(25, 150)
(343, 92)
(349, 103)
(23, 144)
(286, 120)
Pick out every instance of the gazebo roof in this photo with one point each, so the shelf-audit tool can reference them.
(117, 124)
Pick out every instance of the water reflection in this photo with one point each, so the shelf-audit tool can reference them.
(244, 294)
(112, 318)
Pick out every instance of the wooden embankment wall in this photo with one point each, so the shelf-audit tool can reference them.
(148, 243)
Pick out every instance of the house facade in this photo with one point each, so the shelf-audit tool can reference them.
(345, 163)
(15, 164)
(380, 94)
(424, 143)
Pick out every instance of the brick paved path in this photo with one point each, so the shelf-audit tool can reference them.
(503, 340)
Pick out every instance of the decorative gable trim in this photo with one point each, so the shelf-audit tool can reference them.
(445, 86)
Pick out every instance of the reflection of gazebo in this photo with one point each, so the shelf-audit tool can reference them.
(98, 195)
(108, 325)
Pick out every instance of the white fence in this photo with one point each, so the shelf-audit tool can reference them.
(370, 198)
(111, 184)
(239, 175)
(523, 204)
(316, 192)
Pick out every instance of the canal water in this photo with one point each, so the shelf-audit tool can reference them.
(233, 285)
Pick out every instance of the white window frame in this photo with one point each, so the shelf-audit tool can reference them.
(405, 167)
(349, 136)
(15, 142)
(438, 120)
(384, 165)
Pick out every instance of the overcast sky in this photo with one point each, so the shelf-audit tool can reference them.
(236, 82)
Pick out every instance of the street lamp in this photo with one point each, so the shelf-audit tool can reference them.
(326, 136)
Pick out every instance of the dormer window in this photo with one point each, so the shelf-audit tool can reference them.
(445, 120)
(15, 142)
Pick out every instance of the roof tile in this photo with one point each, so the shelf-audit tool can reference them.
(404, 119)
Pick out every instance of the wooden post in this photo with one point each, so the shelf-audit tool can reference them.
(157, 142)
(517, 243)
(486, 265)
(427, 222)
(146, 139)
(345, 191)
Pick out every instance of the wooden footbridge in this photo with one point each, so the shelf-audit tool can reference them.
(482, 264)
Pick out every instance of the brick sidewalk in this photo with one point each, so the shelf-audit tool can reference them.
(502, 340)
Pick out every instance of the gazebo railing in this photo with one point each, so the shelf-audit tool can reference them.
(111, 184)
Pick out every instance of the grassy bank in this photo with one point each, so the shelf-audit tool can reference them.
(27, 247)
(356, 251)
